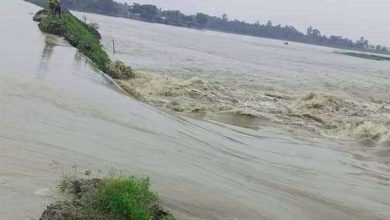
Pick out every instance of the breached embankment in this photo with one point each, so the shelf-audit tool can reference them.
(327, 115)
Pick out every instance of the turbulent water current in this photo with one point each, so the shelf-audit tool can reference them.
(203, 71)
(60, 116)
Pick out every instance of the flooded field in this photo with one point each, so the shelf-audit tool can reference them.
(59, 115)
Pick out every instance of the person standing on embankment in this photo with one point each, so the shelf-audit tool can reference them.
(52, 5)
(57, 8)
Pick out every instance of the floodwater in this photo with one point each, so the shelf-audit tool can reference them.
(58, 115)
(187, 70)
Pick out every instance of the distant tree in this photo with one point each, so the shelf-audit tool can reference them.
(309, 30)
(225, 18)
(177, 18)
(313, 33)
(105, 6)
(148, 12)
(201, 19)
(362, 43)
(189, 20)
(316, 33)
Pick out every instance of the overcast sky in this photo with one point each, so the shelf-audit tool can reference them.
(349, 18)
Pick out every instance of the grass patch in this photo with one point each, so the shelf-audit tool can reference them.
(116, 198)
(129, 198)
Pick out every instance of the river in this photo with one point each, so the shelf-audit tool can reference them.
(59, 115)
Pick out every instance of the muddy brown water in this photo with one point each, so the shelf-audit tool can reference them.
(339, 97)
(58, 114)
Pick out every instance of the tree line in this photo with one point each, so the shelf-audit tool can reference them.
(151, 13)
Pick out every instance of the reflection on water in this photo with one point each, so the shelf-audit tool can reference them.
(46, 54)
(49, 45)
(74, 118)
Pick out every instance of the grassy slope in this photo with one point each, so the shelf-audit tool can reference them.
(78, 35)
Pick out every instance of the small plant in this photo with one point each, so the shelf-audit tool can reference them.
(63, 186)
(87, 172)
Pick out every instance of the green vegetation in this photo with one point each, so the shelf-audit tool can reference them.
(77, 35)
(117, 198)
(152, 13)
(365, 56)
(127, 197)
(86, 38)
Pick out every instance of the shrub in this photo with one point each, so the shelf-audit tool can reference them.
(116, 198)
(128, 197)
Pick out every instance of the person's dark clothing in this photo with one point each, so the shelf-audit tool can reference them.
(58, 9)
